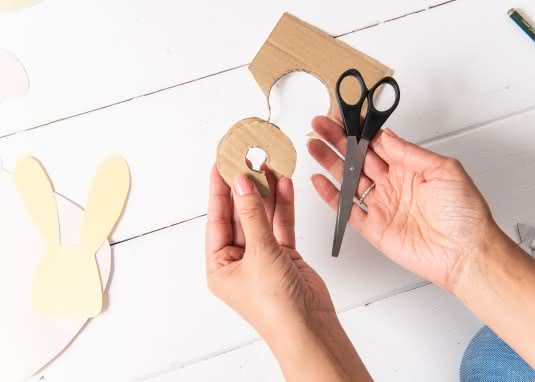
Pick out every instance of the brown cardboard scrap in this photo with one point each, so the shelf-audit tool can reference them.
(292, 46)
(255, 132)
(297, 46)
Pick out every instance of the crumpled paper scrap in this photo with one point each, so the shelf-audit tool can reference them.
(526, 233)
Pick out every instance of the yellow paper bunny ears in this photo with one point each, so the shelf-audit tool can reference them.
(66, 283)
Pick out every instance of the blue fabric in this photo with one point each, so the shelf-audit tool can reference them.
(489, 359)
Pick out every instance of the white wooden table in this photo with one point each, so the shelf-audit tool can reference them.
(160, 82)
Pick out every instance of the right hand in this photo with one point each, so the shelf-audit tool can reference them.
(425, 212)
(251, 260)
(253, 266)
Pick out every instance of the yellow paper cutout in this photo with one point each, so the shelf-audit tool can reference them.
(66, 283)
(14, 5)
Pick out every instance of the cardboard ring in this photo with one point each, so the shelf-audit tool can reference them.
(255, 132)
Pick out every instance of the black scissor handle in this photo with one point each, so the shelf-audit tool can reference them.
(351, 113)
(376, 118)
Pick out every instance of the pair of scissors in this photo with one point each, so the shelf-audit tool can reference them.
(359, 134)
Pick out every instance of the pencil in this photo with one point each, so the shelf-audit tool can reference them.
(522, 23)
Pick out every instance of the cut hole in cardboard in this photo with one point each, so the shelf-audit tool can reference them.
(255, 132)
(294, 45)
(295, 99)
(255, 158)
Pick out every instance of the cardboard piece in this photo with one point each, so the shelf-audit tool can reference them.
(255, 132)
(29, 342)
(297, 46)
(66, 283)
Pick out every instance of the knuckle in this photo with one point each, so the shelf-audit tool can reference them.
(216, 287)
(212, 286)
(285, 221)
(251, 211)
(454, 165)
(266, 243)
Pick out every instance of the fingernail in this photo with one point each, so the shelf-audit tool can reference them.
(243, 185)
(391, 133)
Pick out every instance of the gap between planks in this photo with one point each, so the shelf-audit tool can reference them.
(395, 18)
(426, 142)
(48, 124)
(183, 364)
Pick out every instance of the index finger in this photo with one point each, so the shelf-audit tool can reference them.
(219, 220)
(284, 216)
(394, 150)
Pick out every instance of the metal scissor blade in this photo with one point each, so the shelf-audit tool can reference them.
(353, 166)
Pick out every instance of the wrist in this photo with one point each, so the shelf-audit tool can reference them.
(316, 342)
(474, 260)
(295, 335)
(498, 284)
(479, 266)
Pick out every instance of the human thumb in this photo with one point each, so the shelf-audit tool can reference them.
(254, 221)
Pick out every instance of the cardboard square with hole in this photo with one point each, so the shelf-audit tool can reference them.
(295, 45)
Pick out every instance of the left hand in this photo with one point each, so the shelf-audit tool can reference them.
(424, 213)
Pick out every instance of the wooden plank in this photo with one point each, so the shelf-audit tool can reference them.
(161, 313)
(162, 317)
(84, 56)
(501, 160)
(408, 337)
(416, 336)
(457, 66)
(168, 141)
(179, 129)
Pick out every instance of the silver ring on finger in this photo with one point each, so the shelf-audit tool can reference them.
(361, 200)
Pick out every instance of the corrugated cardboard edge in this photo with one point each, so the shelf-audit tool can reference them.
(281, 156)
(295, 45)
